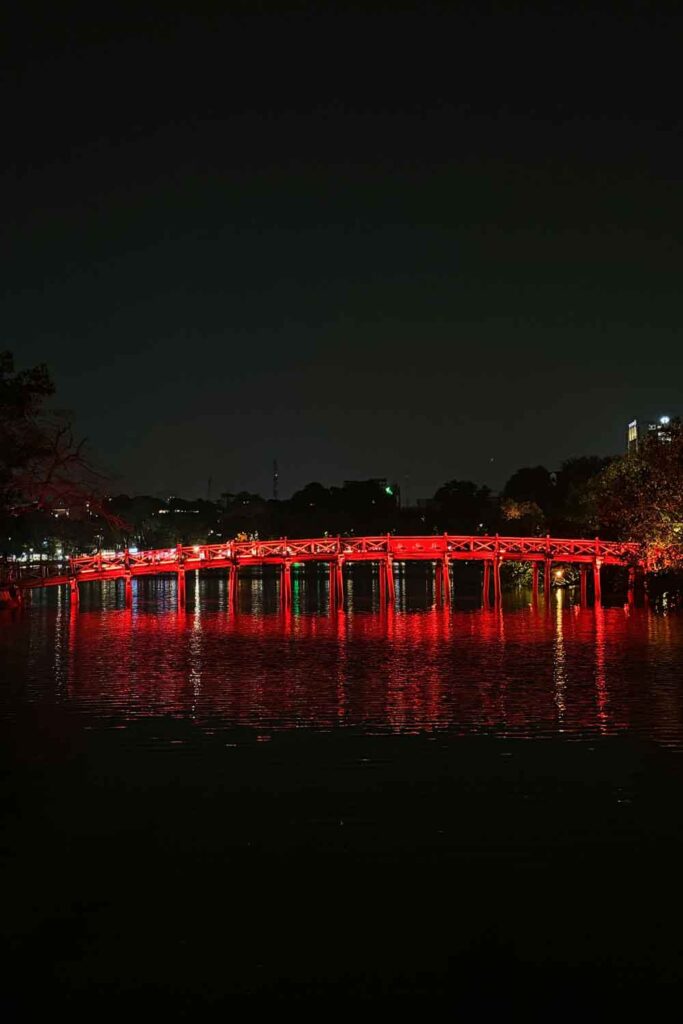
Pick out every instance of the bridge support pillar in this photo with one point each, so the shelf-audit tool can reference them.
(332, 584)
(584, 585)
(631, 595)
(447, 581)
(438, 584)
(233, 581)
(534, 582)
(496, 581)
(128, 590)
(73, 591)
(389, 570)
(640, 585)
(339, 582)
(547, 566)
(286, 588)
(486, 583)
(381, 572)
(597, 586)
(181, 589)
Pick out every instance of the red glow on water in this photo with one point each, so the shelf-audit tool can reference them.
(523, 673)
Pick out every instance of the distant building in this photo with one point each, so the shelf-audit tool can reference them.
(662, 430)
(636, 432)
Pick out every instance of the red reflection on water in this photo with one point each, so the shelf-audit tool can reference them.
(523, 673)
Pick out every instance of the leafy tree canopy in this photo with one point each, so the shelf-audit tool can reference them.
(640, 497)
(465, 507)
(532, 483)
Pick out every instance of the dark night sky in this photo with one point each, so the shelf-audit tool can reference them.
(370, 243)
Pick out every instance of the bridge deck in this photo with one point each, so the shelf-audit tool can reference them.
(442, 549)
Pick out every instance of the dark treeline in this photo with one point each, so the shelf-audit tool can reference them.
(534, 501)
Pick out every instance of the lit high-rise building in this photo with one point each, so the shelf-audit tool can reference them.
(661, 429)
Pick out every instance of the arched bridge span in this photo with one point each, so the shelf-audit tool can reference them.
(443, 551)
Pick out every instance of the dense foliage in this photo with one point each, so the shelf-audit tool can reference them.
(640, 496)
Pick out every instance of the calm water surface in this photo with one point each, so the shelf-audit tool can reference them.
(562, 672)
(204, 805)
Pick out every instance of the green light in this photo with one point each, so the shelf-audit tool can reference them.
(388, 490)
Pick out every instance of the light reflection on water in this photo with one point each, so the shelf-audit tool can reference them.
(522, 671)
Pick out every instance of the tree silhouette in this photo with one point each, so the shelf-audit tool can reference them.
(42, 464)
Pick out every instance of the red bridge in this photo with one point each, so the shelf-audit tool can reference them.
(442, 551)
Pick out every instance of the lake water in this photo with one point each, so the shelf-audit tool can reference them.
(476, 808)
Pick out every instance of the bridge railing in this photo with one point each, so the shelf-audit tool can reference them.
(421, 547)
(23, 572)
(317, 547)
